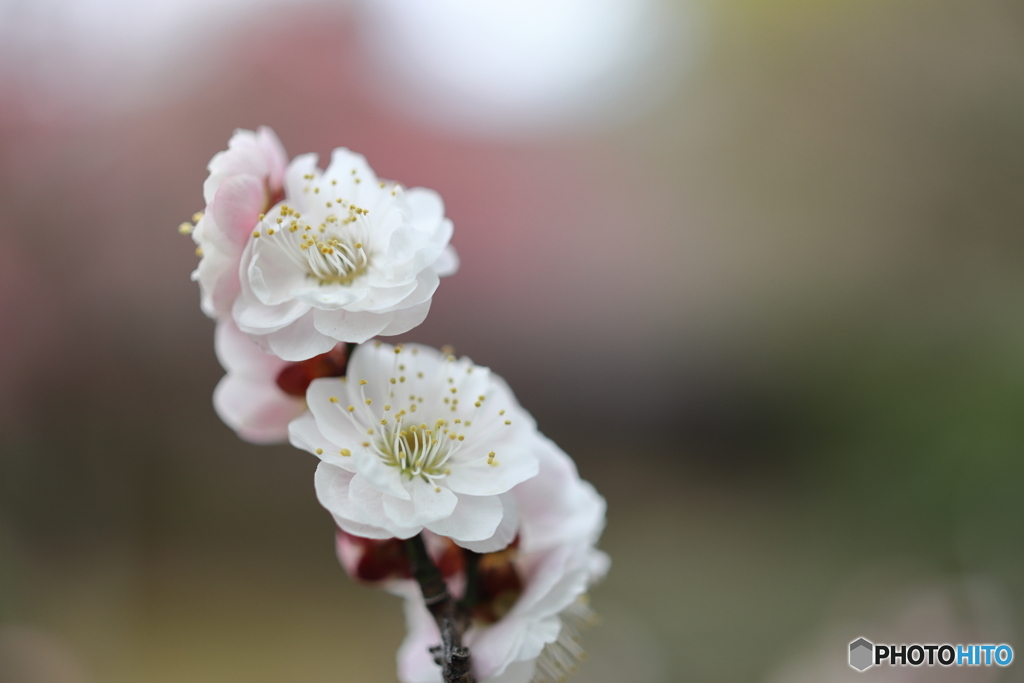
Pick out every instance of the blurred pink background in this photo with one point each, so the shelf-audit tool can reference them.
(757, 265)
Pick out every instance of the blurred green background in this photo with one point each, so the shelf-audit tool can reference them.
(777, 317)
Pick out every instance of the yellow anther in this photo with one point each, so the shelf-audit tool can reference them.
(508, 422)
(369, 401)
(501, 412)
(185, 228)
(383, 421)
(362, 382)
(370, 430)
(333, 399)
(346, 452)
(199, 252)
(392, 380)
(477, 404)
(366, 444)
(462, 437)
(262, 216)
(197, 216)
(256, 234)
(491, 454)
(319, 451)
(437, 489)
(387, 406)
(270, 231)
(351, 409)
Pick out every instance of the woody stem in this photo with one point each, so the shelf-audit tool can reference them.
(450, 655)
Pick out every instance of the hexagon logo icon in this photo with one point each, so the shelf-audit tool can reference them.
(861, 651)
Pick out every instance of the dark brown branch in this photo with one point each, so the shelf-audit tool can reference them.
(451, 622)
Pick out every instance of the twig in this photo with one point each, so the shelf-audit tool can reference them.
(449, 655)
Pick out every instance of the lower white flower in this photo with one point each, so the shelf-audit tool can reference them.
(533, 603)
(261, 393)
(415, 439)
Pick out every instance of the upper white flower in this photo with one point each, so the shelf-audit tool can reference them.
(534, 597)
(414, 439)
(261, 393)
(245, 180)
(344, 257)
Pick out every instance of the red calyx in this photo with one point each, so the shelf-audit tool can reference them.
(295, 378)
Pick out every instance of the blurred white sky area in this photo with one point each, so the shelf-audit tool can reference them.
(523, 65)
(494, 67)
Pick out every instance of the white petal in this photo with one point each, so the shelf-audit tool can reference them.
(372, 505)
(258, 411)
(331, 297)
(303, 433)
(447, 263)
(236, 208)
(415, 663)
(426, 208)
(273, 152)
(475, 518)
(298, 341)
(382, 298)
(515, 463)
(503, 535)
(406, 319)
(272, 273)
(350, 327)
(239, 354)
(427, 503)
(295, 180)
(332, 418)
(562, 507)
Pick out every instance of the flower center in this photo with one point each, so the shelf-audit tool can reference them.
(334, 259)
(397, 434)
(417, 450)
(334, 252)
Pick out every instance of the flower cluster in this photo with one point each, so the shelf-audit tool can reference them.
(300, 268)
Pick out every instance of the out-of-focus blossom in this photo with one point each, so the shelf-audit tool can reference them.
(261, 394)
(530, 600)
(381, 561)
(515, 66)
(344, 257)
(245, 180)
(414, 439)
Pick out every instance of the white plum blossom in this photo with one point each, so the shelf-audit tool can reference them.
(343, 258)
(245, 180)
(261, 393)
(415, 439)
(536, 638)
